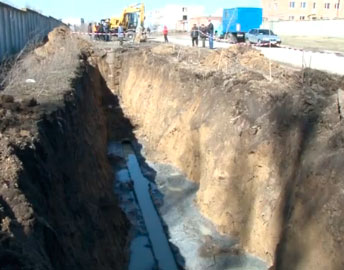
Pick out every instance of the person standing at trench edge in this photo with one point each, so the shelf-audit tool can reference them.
(165, 32)
(203, 34)
(194, 35)
(211, 34)
(120, 34)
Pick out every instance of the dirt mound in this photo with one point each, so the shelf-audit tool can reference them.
(242, 55)
(56, 39)
(58, 59)
(62, 39)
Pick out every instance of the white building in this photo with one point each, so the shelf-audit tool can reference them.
(175, 17)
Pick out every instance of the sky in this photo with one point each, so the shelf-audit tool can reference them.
(94, 10)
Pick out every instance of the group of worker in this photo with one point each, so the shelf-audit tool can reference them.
(203, 32)
(102, 31)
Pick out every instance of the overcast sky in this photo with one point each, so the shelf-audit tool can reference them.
(98, 9)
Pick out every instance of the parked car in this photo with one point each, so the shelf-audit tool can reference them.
(262, 37)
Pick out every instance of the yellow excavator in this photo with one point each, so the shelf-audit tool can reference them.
(132, 21)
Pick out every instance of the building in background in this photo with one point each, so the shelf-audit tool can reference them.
(299, 10)
(205, 20)
(175, 17)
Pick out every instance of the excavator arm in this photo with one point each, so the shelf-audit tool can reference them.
(130, 14)
(131, 17)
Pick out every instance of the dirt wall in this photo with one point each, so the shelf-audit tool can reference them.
(265, 153)
(58, 210)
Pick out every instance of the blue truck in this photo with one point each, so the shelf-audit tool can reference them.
(237, 21)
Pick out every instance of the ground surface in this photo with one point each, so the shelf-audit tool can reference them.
(325, 61)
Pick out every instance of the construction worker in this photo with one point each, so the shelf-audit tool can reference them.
(165, 32)
(101, 30)
(194, 35)
(120, 34)
(89, 30)
(211, 34)
(97, 31)
(106, 29)
(109, 28)
(94, 30)
(203, 34)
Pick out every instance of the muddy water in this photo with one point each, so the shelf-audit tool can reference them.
(197, 245)
(150, 250)
(142, 188)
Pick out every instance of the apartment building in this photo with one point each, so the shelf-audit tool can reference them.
(299, 10)
(175, 17)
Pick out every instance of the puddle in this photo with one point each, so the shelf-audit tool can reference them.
(149, 248)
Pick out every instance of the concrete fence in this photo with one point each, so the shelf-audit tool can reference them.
(321, 28)
(20, 27)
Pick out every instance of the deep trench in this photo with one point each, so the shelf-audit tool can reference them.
(89, 196)
(167, 230)
(99, 204)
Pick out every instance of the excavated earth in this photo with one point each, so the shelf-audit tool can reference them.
(266, 149)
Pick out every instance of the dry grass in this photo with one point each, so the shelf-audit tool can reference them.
(314, 43)
(10, 64)
(45, 71)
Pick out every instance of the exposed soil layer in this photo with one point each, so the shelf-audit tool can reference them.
(57, 208)
(266, 153)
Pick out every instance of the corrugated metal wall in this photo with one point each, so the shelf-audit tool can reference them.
(19, 27)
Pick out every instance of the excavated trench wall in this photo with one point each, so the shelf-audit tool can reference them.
(58, 210)
(269, 172)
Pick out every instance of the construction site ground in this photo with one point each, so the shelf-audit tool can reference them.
(264, 144)
(289, 55)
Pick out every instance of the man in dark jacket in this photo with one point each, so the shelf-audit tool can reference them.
(89, 30)
(211, 34)
(203, 34)
(194, 35)
(101, 31)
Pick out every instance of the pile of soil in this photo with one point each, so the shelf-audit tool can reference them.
(60, 39)
(243, 55)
